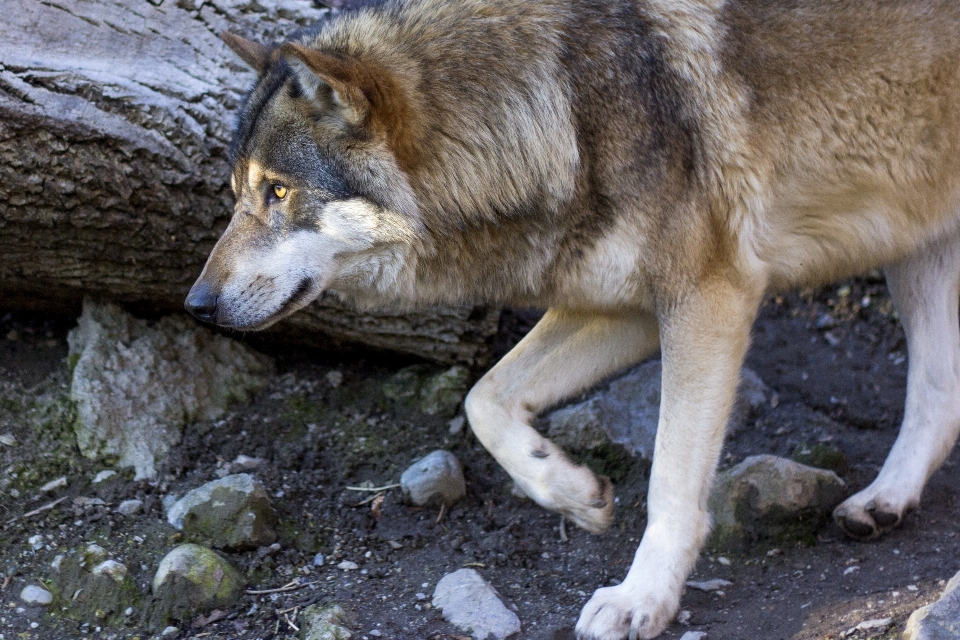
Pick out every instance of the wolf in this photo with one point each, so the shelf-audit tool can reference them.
(646, 170)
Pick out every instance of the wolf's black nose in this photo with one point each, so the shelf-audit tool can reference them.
(201, 302)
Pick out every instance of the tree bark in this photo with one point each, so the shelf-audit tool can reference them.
(115, 118)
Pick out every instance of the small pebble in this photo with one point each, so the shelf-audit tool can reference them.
(106, 474)
(247, 462)
(94, 554)
(111, 568)
(8, 439)
(334, 378)
(456, 424)
(724, 561)
(437, 475)
(420, 595)
(170, 631)
(375, 633)
(33, 594)
(694, 635)
(54, 484)
(318, 560)
(129, 507)
(347, 565)
(709, 585)
(684, 617)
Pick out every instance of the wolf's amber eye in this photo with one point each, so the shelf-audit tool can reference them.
(280, 190)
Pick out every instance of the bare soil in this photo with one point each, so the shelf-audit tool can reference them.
(316, 439)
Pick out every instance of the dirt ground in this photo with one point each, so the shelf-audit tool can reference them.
(838, 350)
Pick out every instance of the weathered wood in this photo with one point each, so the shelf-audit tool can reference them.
(115, 118)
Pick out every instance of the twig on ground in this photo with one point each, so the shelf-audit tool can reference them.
(286, 619)
(293, 585)
(443, 507)
(368, 500)
(374, 489)
(45, 507)
(563, 530)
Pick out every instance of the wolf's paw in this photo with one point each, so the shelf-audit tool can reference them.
(615, 613)
(591, 505)
(871, 513)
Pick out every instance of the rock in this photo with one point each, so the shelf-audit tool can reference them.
(770, 497)
(433, 394)
(104, 475)
(8, 439)
(468, 602)
(820, 455)
(694, 635)
(318, 560)
(880, 624)
(93, 588)
(709, 585)
(129, 507)
(94, 554)
(53, 485)
(939, 620)
(36, 541)
(323, 623)
(169, 631)
(233, 512)
(33, 594)
(192, 579)
(116, 571)
(438, 475)
(627, 409)
(348, 565)
(136, 384)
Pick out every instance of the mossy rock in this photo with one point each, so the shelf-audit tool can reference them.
(771, 499)
(422, 389)
(192, 580)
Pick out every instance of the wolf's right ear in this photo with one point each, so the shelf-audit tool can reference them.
(253, 53)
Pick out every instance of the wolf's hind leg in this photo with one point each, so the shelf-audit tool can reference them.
(567, 352)
(925, 288)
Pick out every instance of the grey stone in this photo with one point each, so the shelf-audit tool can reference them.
(767, 497)
(33, 594)
(129, 507)
(430, 393)
(233, 513)
(438, 475)
(135, 385)
(468, 602)
(939, 620)
(694, 635)
(626, 411)
(323, 623)
(94, 554)
(112, 569)
(715, 584)
(192, 579)
(103, 476)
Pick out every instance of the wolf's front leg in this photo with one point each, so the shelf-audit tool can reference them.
(704, 338)
(564, 354)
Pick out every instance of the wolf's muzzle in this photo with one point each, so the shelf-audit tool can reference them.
(201, 302)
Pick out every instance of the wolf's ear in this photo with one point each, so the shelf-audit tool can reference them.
(253, 53)
(345, 77)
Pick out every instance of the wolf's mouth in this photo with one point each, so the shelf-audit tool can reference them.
(296, 298)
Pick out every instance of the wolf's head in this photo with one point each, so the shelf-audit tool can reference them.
(321, 198)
